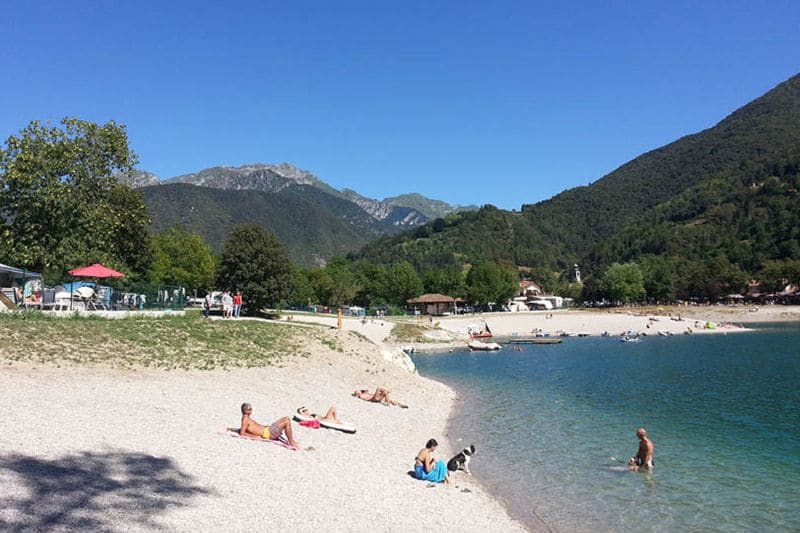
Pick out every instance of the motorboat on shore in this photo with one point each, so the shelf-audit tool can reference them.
(476, 332)
(481, 346)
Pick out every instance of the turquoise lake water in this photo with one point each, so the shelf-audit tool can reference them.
(723, 412)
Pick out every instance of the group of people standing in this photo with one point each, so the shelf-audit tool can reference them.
(231, 304)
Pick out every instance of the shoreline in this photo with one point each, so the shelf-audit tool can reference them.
(167, 451)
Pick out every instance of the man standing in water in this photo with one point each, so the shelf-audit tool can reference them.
(644, 457)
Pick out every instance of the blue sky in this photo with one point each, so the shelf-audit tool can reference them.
(468, 102)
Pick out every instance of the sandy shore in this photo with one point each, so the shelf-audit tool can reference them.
(97, 448)
(452, 331)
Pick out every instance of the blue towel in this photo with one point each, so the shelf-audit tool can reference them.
(436, 475)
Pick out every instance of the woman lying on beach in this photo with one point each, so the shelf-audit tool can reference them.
(380, 395)
(428, 469)
(330, 416)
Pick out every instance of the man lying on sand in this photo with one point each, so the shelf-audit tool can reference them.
(643, 457)
(252, 428)
(380, 395)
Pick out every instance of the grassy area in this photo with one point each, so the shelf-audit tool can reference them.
(408, 332)
(170, 342)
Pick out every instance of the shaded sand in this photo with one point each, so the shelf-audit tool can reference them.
(97, 448)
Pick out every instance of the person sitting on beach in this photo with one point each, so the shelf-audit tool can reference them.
(330, 416)
(427, 468)
(250, 427)
(643, 457)
(380, 395)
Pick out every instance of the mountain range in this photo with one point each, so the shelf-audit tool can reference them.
(324, 221)
(729, 193)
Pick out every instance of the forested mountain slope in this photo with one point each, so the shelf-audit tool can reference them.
(310, 232)
(755, 141)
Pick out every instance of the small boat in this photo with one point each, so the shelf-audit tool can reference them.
(481, 346)
(481, 335)
(583, 334)
(664, 333)
(630, 339)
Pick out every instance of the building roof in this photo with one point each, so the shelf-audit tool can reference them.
(432, 299)
(19, 271)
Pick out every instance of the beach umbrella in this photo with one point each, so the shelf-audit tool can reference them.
(96, 271)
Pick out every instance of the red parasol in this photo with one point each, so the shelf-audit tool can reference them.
(96, 271)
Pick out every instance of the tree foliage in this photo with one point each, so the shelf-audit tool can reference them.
(61, 207)
(255, 262)
(623, 283)
(183, 258)
(491, 283)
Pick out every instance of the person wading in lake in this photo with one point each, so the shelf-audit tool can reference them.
(643, 457)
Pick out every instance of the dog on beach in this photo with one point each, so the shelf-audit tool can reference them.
(461, 459)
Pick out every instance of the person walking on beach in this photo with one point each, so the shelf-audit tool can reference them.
(643, 457)
(237, 304)
(207, 305)
(427, 468)
(227, 304)
(252, 428)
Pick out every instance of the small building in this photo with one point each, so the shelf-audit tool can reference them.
(433, 304)
(529, 288)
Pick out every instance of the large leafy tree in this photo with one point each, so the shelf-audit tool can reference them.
(403, 283)
(491, 283)
(449, 281)
(183, 258)
(623, 283)
(60, 205)
(255, 262)
(344, 283)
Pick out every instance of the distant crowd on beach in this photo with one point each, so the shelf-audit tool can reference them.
(231, 304)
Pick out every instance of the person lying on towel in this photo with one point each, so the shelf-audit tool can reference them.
(427, 468)
(250, 427)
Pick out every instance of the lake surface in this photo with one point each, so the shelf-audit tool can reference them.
(550, 424)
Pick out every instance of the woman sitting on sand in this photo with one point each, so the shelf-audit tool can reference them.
(428, 469)
(380, 395)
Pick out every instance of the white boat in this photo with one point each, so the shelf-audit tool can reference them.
(664, 333)
(630, 339)
(483, 346)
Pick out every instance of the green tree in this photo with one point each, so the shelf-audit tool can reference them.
(776, 274)
(448, 281)
(373, 282)
(491, 283)
(183, 258)
(344, 283)
(321, 285)
(60, 205)
(255, 262)
(660, 276)
(302, 293)
(623, 283)
(404, 283)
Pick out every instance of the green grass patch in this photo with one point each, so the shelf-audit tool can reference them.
(169, 342)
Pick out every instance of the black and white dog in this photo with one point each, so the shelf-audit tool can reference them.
(461, 460)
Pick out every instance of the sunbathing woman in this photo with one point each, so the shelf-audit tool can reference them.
(329, 416)
(428, 469)
(380, 395)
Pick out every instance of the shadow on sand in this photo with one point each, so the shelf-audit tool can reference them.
(90, 491)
